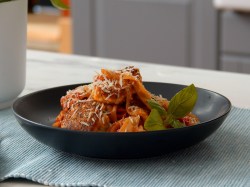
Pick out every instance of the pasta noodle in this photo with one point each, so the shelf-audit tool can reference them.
(116, 101)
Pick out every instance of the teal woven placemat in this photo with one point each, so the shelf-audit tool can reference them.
(223, 159)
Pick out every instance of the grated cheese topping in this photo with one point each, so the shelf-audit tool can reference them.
(111, 88)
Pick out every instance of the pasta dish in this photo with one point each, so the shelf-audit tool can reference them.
(117, 101)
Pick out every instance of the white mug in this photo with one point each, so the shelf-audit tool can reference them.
(13, 31)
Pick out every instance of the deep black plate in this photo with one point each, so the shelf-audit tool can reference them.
(37, 111)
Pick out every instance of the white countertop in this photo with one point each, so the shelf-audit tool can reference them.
(238, 5)
(45, 70)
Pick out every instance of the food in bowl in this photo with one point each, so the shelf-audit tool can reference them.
(117, 101)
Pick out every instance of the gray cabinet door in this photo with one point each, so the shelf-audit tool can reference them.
(144, 31)
(235, 41)
(235, 63)
(174, 32)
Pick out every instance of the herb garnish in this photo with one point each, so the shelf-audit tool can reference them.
(181, 104)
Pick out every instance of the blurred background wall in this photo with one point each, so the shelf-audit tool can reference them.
(191, 33)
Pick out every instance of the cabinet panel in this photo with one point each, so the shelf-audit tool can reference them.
(235, 33)
(83, 22)
(153, 31)
(175, 32)
(235, 63)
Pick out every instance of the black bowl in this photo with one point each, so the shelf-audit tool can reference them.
(37, 111)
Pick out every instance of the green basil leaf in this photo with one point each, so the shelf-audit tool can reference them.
(177, 124)
(183, 102)
(155, 105)
(154, 121)
(59, 4)
(170, 120)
